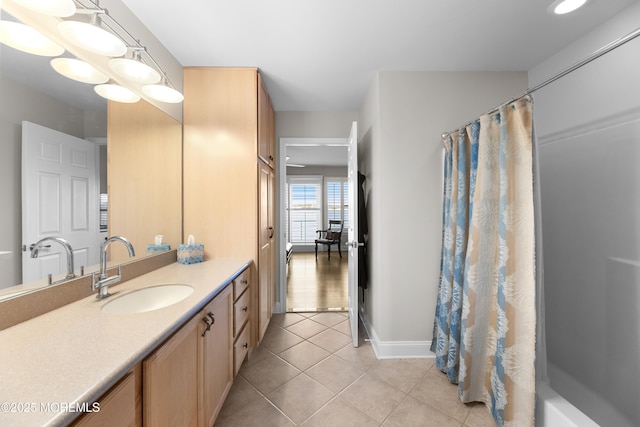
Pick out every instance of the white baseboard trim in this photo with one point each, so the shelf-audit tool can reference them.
(395, 349)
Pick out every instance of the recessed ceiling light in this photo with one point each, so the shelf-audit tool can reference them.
(560, 7)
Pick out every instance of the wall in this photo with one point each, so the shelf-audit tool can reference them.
(33, 106)
(402, 119)
(588, 127)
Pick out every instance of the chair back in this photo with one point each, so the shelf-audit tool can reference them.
(334, 231)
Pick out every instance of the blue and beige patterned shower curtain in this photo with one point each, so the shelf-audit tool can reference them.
(485, 325)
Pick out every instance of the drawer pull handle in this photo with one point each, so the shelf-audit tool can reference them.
(245, 345)
(206, 322)
(245, 308)
(244, 281)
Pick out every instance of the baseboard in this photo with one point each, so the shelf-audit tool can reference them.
(395, 349)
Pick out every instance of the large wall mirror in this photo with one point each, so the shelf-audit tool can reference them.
(137, 160)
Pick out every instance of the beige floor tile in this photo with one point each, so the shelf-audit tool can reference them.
(300, 397)
(335, 373)
(426, 363)
(277, 339)
(269, 374)
(304, 355)
(363, 355)
(330, 340)
(306, 328)
(285, 319)
(401, 374)
(437, 391)
(414, 413)
(479, 416)
(339, 413)
(343, 327)
(372, 396)
(260, 413)
(240, 396)
(328, 318)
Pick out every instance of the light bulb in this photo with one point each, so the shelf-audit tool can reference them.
(117, 93)
(60, 8)
(78, 70)
(22, 37)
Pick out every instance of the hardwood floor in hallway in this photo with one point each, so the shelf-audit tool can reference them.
(317, 285)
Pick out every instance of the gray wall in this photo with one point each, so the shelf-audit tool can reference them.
(401, 121)
(588, 126)
(33, 106)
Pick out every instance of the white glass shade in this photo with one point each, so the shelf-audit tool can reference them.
(27, 39)
(78, 70)
(61, 8)
(560, 7)
(134, 70)
(163, 93)
(92, 38)
(117, 93)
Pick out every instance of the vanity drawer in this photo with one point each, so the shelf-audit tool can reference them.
(240, 283)
(240, 348)
(240, 312)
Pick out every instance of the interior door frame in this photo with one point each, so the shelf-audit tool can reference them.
(281, 182)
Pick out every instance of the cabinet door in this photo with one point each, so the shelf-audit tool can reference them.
(118, 407)
(266, 269)
(266, 149)
(216, 355)
(170, 380)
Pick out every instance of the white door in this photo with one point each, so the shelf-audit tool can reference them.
(352, 170)
(59, 199)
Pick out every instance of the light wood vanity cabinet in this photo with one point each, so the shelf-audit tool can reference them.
(120, 406)
(266, 126)
(186, 380)
(241, 328)
(229, 134)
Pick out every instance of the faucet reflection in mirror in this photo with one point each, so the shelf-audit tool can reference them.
(101, 279)
(35, 249)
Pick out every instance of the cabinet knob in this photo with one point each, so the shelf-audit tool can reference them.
(213, 319)
(244, 281)
(245, 345)
(245, 308)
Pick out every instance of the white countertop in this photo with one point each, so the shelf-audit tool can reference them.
(76, 353)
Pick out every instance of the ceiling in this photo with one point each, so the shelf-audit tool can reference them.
(322, 55)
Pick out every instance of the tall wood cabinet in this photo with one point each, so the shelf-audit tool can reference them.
(228, 137)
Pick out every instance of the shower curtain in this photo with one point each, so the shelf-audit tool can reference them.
(485, 325)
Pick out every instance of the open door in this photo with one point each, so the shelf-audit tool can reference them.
(59, 198)
(353, 244)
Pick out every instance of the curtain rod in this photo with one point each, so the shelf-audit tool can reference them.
(597, 54)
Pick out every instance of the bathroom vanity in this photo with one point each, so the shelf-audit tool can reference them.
(83, 364)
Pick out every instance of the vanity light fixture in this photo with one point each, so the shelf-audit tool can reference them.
(85, 32)
(115, 92)
(78, 70)
(60, 8)
(134, 69)
(163, 92)
(23, 37)
(561, 7)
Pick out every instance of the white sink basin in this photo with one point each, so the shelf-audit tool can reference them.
(147, 299)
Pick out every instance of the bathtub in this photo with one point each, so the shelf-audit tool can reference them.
(553, 410)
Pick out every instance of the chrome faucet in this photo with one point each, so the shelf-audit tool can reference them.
(101, 279)
(35, 248)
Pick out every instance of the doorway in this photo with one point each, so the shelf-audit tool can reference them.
(317, 166)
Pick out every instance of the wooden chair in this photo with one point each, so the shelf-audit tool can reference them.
(330, 236)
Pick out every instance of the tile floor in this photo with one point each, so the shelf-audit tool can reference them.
(307, 373)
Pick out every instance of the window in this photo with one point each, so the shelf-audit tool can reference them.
(337, 192)
(303, 208)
